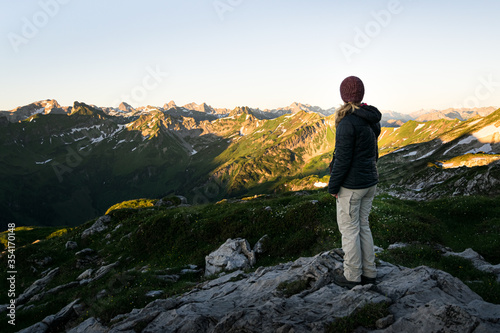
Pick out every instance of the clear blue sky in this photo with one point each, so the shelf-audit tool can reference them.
(258, 53)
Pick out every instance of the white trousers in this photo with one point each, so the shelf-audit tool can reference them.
(353, 208)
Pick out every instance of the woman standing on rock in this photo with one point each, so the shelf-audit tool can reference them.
(353, 181)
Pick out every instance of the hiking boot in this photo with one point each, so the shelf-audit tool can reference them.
(343, 282)
(366, 280)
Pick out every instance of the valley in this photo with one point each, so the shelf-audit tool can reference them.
(66, 165)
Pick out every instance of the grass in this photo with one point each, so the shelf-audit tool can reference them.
(290, 288)
(167, 240)
(366, 317)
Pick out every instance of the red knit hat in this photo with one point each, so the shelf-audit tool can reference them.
(352, 89)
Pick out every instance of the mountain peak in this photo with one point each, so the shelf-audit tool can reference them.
(169, 105)
(203, 107)
(83, 109)
(125, 107)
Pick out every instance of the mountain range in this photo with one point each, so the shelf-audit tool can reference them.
(66, 165)
(394, 119)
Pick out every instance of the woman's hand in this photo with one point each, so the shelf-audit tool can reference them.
(336, 195)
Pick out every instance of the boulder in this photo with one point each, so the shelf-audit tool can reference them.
(70, 245)
(233, 254)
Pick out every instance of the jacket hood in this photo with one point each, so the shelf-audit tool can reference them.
(369, 113)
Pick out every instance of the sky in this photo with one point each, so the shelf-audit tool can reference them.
(410, 54)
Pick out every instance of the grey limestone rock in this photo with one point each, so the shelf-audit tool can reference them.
(478, 261)
(99, 226)
(70, 245)
(420, 300)
(90, 325)
(259, 246)
(37, 286)
(233, 254)
(104, 270)
(53, 322)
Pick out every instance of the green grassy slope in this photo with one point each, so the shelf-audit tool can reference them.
(163, 241)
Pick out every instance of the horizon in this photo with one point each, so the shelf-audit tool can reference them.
(251, 107)
(228, 53)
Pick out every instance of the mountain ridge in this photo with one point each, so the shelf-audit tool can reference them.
(86, 161)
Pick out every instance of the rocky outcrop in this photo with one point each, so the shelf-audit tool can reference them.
(233, 254)
(54, 322)
(477, 260)
(420, 300)
(37, 287)
(99, 226)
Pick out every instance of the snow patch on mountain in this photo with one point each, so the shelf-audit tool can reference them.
(487, 131)
(44, 162)
(486, 148)
(413, 153)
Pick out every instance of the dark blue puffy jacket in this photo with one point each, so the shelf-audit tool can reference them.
(356, 150)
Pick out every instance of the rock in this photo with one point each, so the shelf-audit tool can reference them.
(103, 293)
(108, 236)
(126, 236)
(164, 203)
(85, 281)
(168, 278)
(90, 325)
(54, 290)
(43, 262)
(70, 245)
(85, 275)
(37, 287)
(189, 271)
(233, 254)
(99, 226)
(104, 270)
(259, 246)
(118, 227)
(420, 300)
(314, 202)
(53, 322)
(36, 328)
(268, 208)
(478, 261)
(84, 252)
(385, 322)
(183, 199)
(397, 246)
(154, 293)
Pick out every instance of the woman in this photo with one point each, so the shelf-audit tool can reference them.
(353, 181)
